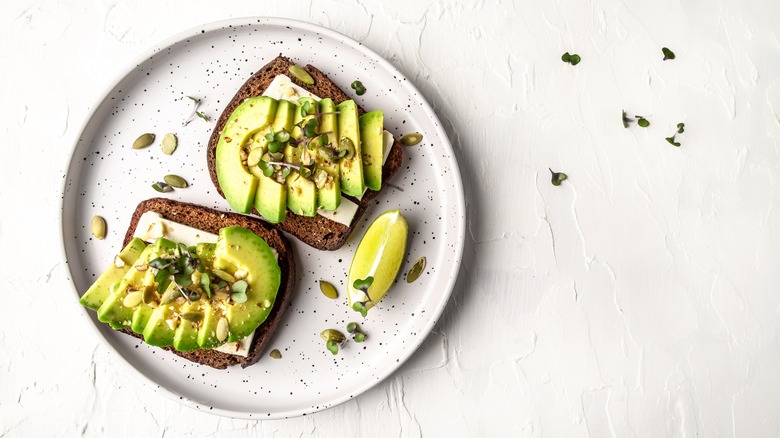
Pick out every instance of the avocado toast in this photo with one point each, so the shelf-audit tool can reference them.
(297, 214)
(249, 279)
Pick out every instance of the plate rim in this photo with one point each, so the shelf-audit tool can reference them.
(160, 46)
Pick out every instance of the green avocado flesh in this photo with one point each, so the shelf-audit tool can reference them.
(271, 196)
(236, 182)
(352, 182)
(279, 183)
(131, 297)
(101, 288)
(239, 249)
(371, 139)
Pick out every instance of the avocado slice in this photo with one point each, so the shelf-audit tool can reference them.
(351, 168)
(271, 196)
(301, 195)
(241, 249)
(161, 328)
(205, 252)
(207, 334)
(329, 196)
(96, 295)
(113, 310)
(236, 182)
(141, 318)
(371, 142)
(186, 336)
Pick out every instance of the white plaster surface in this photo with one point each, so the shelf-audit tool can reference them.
(639, 298)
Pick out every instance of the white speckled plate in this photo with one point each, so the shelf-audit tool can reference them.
(107, 177)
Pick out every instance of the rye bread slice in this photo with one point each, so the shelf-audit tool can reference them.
(318, 231)
(211, 221)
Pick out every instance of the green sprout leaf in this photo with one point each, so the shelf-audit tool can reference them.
(351, 327)
(359, 337)
(558, 177)
(572, 59)
(363, 284)
(643, 122)
(310, 130)
(680, 128)
(358, 87)
(305, 108)
(267, 169)
(205, 283)
(282, 136)
(270, 135)
(671, 141)
(626, 120)
(668, 54)
(202, 116)
(360, 308)
(332, 347)
(163, 280)
(238, 291)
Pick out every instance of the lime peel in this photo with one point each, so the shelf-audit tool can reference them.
(379, 255)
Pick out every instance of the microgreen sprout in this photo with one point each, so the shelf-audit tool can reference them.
(680, 128)
(642, 122)
(363, 285)
(354, 329)
(572, 59)
(558, 177)
(626, 120)
(668, 54)
(238, 291)
(202, 116)
(358, 87)
(195, 105)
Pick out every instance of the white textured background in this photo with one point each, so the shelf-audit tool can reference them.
(640, 298)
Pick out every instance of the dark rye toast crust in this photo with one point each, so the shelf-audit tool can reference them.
(318, 231)
(211, 221)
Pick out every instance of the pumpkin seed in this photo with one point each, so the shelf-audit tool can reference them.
(223, 275)
(98, 227)
(416, 270)
(193, 316)
(222, 329)
(133, 299)
(332, 335)
(144, 140)
(328, 290)
(169, 295)
(169, 143)
(149, 295)
(175, 181)
(162, 187)
(411, 139)
(276, 354)
(301, 74)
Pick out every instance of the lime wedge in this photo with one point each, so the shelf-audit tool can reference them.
(379, 255)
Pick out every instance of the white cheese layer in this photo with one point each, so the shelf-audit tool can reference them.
(151, 226)
(282, 87)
